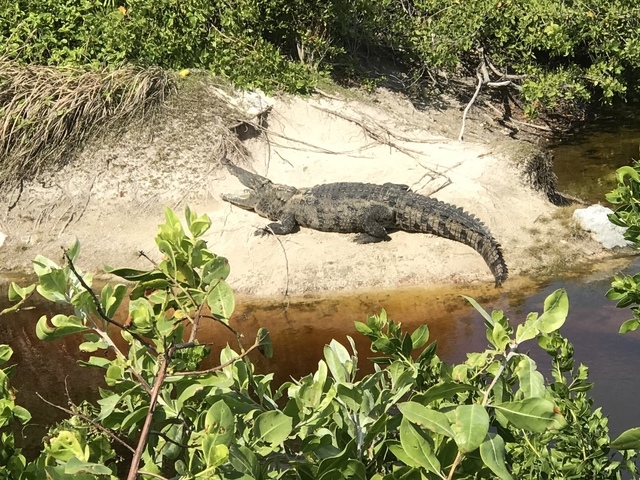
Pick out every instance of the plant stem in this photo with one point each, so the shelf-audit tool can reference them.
(146, 428)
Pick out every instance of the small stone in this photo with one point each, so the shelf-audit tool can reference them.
(3, 237)
(595, 219)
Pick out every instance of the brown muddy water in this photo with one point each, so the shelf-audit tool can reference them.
(302, 326)
(586, 163)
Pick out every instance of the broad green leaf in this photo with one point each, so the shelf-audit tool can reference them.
(470, 424)
(53, 286)
(65, 446)
(75, 466)
(556, 309)
(531, 381)
(5, 353)
(339, 361)
(529, 329)
(630, 325)
(215, 269)
(499, 337)
(430, 419)
(42, 265)
(74, 250)
(221, 300)
(443, 391)
(197, 225)
(17, 293)
(243, 460)
(417, 447)
(131, 420)
(219, 423)
(629, 439)
(273, 427)
(420, 336)
(108, 405)
(492, 452)
(534, 414)
(264, 339)
(63, 325)
(627, 170)
(111, 297)
(134, 275)
(214, 454)
(22, 414)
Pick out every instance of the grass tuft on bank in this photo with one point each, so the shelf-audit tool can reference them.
(50, 112)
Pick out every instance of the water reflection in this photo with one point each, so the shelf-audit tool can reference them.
(301, 328)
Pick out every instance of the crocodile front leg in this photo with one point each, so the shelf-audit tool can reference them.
(285, 226)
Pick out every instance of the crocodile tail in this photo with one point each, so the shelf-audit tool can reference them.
(491, 252)
(480, 240)
(428, 215)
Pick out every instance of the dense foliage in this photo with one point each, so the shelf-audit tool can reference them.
(415, 417)
(560, 52)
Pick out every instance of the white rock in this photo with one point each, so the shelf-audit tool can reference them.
(3, 237)
(595, 219)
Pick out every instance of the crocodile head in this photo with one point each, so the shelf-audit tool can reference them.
(261, 196)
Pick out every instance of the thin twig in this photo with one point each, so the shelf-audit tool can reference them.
(99, 309)
(221, 366)
(286, 261)
(88, 420)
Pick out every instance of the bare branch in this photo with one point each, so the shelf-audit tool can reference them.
(466, 110)
(88, 420)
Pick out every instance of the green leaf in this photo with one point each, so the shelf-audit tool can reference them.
(339, 361)
(417, 447)
(556, 309)
(74, 250)
(17, 293)
(131, 420)
(420, 336)
(470, 424)
(492, 452)
(62, 325)
(442, 391)
(531, 381)
(53, 286)
(480, 310)
(75, 466)
(65, 446)
(630, 325)
(108, 405)
(22, 414)
(215, 269)
(534, 414)
(5, 353)
(629, 439)
(430, 419)
(273, 427)
(264, 339)
(627, 170)
(214, 455)
(219, 423)
(221, 300)
(111, 297)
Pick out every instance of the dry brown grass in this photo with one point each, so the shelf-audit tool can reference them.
(47, 113)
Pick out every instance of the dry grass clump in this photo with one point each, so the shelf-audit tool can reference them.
(46, 113)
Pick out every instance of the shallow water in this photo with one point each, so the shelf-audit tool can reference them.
(302, 326)
(586, 163)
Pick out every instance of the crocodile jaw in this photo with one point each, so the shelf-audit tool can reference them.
(246, 200)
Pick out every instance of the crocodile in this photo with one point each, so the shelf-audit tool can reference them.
(370, 210)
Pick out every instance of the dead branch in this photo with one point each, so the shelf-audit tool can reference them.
(466, 110)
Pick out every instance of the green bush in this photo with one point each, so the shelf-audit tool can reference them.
(415, 417)
(567, 52)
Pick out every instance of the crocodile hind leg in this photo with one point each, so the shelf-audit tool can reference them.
(373, 221)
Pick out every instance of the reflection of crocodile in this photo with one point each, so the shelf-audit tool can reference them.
(363, 208)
